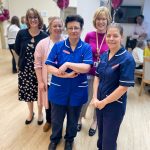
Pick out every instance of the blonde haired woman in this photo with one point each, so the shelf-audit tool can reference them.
(96, 39)
(41, 53)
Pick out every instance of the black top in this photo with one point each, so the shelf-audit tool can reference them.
(22, 40)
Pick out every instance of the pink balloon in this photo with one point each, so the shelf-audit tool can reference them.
(2, 18)
(6, 13)
(116, 3)
(63, 3)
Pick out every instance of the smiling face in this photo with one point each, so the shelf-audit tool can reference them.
(113, 38)
(33, 20)
(56, 27)
(74, 30)
(101, 23)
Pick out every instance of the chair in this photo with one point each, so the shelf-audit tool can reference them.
(146, 74)
(130, 43)
(138, 73)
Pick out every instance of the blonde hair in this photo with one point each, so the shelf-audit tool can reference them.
(102, 11)
(52, 19)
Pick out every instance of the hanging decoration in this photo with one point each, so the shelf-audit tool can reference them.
(115, 5)
(62, 4)
(4, 13)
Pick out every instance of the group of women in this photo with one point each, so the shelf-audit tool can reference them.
(60, 73)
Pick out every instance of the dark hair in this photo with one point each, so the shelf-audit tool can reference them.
(116, 25)
(15, 20)
(142, 16)
(76, 18)
(140, 44)
(148, 41)
(37, 14)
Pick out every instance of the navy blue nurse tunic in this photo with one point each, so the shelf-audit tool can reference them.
(118, 71)
(69, 91)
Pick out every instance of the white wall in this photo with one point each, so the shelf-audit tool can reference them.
(19, 7)
(147, 14)
(86, 9)
(73, 3)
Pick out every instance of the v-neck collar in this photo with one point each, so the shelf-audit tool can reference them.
(67, 44)
(120, 52)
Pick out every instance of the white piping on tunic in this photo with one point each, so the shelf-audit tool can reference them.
(121, 53)
(83, 86)
(127, 81)
(50, 61)
(87, 60)
(84, 82)
(55, 84)
(96, 72)
(69, 46)
(66, 45)
(80, 46)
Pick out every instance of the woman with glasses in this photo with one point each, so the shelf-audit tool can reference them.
(68, 62)
(42, 51)
(97, 40)
(25, 44)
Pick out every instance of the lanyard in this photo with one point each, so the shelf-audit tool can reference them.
(99, 48)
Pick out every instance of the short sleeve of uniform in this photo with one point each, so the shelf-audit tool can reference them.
(52, 58)
(127, 72)
(87, 55)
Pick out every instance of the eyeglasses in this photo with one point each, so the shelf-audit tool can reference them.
(57, 26)
(33, 18)
(101, 19)
(73, 28)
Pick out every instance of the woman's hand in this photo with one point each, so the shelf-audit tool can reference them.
(98, 104)
(63, 68)
(101, 104)
(94, 102)
(72, 74)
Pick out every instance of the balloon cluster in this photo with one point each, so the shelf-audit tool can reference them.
(4, 13)
(62, 4)
(115, 5)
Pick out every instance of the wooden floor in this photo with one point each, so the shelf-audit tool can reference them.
(15, 135)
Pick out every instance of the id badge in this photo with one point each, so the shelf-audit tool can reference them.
(95, 64)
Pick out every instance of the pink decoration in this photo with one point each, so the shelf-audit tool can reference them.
(4, 13)
(62, 4)
(2, 18)
(116, 3)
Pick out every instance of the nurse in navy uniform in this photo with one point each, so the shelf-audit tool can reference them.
(68, 62)
(114, 75)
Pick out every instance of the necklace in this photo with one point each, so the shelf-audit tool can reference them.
(33, 35)
(99, 48)
(32, 40)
